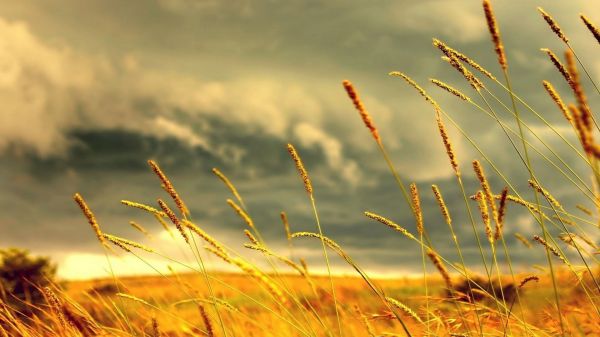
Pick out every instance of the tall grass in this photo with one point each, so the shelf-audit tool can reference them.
(489, 298)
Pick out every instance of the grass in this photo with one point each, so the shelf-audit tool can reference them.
(287, 299)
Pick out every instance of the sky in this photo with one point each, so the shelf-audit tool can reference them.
(91, 90)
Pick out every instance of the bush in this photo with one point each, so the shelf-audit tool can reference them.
(22, 276)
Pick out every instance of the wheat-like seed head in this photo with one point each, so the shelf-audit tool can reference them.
(139, 228)
(450, 89)
(485, 186)
(528, 279)
(586, 113)
(441, 203)
(501, 214)
(55, 305)
(414, 84)
(550, 248)
(485, 215)
(532, 207)
(564, 220)
(144, 207)
(155, 328)
(553, 25)
(559, 102)
(437, 262)
(242, 214)
(416, 203)
(332, 244)
(404, 308)
(523, 240)
(495, 33)
(390, 224)
(168, 186)
(252, 271)
(591, 27)
(468, 75)
(286, 226)
(123, 243)
(257, 246)
(536, 186)
(220, 254)
(364, 114)
(584, 209)
(251, 237)
(227, 183)
(174, 219)
(585, 136)
(301, 169)
(134, 298)
(559, 66)
(210, 331)
(444, 48)
(205, 236)
(87, 212)
(447, 143)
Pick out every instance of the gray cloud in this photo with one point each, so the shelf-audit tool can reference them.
(90, 93)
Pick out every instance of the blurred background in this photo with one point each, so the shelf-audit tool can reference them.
(90, 90)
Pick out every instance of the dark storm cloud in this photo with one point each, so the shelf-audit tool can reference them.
(92, 91)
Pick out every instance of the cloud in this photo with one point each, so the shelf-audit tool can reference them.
(311, 136)
(453, 19)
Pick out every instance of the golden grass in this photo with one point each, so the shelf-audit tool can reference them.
(275, 294)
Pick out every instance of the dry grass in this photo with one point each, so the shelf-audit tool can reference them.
(287, 299)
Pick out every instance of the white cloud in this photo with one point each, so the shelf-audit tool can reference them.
(47, 91)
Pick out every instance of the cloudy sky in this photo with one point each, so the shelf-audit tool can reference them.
(91, 90)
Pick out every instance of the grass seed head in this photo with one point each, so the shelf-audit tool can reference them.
(301, 169)
(495, 33)
(553, 25)
(364, 114)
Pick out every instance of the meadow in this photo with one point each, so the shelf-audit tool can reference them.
(286, 298)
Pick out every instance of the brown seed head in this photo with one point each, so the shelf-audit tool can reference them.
(414, 84)
(447, 144)
(485, 215)
(286, 226)
(527, 280)
(536, 186)
(168, 186)
(173, 219)
(444, 48)
(501, 213)
(553, 25)
(559, 102)
(228, 183)
(87, 212)
(416, 203)
(550, 248)
(437, 262)
(364, 114)
(591, 27)
(559, 66)
(441, 203)
(495, 33)
(300, 167)
(523, 240)
(390, 224)
(450, 89)
(468, 75)
(586, 114)
(485, 186)
(242, 214)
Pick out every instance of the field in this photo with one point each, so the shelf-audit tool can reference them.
(285, 297)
